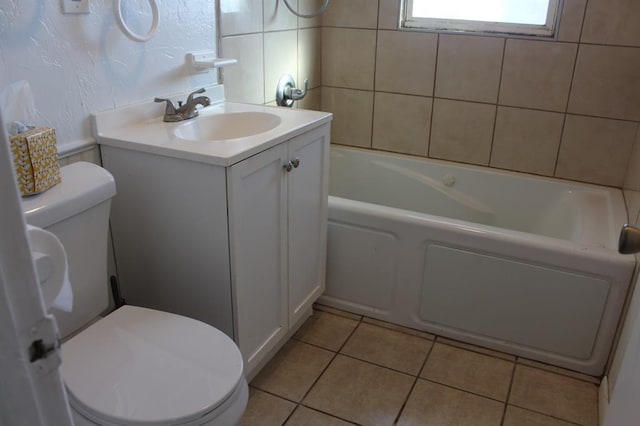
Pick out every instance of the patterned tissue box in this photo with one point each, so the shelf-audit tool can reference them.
(35, 158)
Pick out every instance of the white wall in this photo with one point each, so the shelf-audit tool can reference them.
(79, 64)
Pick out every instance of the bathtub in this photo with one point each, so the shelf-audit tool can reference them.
(517, 263)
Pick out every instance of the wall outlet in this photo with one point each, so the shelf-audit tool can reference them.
(75, 6)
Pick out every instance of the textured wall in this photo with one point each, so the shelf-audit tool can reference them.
(78, 64)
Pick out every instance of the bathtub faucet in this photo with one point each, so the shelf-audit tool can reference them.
(186, 111)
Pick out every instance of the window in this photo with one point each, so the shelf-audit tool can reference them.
(525, 17)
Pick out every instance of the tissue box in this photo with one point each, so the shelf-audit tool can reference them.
(35, 158)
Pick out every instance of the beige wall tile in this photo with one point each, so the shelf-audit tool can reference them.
(388, 348)
(558, 396)
(348, 58)
(360, 392)
(352, 115)
(607, 82)
(244, 82)
(309, 7)
(326, 330)
(265, 409)
(240, 17)
(516, 416)
(470, 371)
(469, 67)
(612, 22)
(405, 62)
(526, 140)
(462, 131)
(294, 369)
(351, 14)
(388, 14)
(310, 56)
(277, 17)
(304, 416)
(595, 150)
(401, 123)
(279, 59)
(311, 101)
(571, 20)
(537, 74)
(431, 404)
(632, 177)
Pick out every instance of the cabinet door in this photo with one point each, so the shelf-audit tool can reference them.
(258, 243)
(308, 198)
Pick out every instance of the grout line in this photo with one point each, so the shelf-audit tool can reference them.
(495, 117)
(478, 351)
(413, 385)
(446, 385)
(557, 373)
(506, 402)
(433, 95)
(546, 414)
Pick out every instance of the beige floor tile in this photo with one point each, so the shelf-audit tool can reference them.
(292, 372)
(469, 371)
(400, 328)
(558, 396)
(388, 348)
(360, 392)
(558, 370)
(433, 404)
(339, 312)
(516, 416)
(264, 409)
(304, 416)
(475, 348)
(326, 330)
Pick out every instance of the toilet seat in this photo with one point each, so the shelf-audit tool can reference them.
(139, 366)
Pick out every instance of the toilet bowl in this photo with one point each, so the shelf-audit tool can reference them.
(134, 366)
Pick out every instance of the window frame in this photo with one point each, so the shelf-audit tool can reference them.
(547, 30)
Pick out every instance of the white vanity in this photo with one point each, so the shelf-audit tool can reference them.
(222, 217)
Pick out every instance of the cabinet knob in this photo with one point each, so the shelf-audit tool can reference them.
(295, 163)
(288, 167)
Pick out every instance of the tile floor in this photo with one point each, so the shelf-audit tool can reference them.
(344, 369)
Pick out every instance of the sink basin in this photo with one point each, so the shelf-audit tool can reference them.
(231, 125)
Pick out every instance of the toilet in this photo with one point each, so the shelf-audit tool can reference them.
(134, 366)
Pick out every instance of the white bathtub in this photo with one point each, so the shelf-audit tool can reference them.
(518, 263)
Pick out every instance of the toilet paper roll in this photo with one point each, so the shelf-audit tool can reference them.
(51, 265)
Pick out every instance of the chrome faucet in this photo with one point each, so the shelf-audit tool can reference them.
(186, 111)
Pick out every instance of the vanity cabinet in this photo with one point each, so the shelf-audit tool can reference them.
(241, 246)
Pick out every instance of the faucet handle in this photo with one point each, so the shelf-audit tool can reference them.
(190, 98)
(297, 94)
(170, 109)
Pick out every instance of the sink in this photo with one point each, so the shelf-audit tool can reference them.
(230, 125)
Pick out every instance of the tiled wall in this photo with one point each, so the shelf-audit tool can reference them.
(568, 108)
(269, 41)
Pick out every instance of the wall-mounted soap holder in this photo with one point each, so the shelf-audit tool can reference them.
(205, 61)
(287, 93)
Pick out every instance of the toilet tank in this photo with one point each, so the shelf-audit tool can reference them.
(77, 212)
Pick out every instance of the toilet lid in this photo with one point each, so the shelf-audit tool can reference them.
(141, 366)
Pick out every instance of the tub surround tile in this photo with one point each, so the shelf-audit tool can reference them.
(265, 409)
(571, 19)
(595, 150)
(388, 14)
(334, 311)
(294, 369)
(388, 348)
(526, 140)
(304, 416)
(632, 201)
(537, 74)
(278, 60)
(309, 57)
(348, 58)
(558, 370)
(401, 329)
(516, 416)
(351, 14)
(244, 82)
(469, 67)
(469, 371)
(473, 348)
(240, 17)
(360, 392)
(462, 131)
(277, 17)
(632, 176)
(612, 22)
(555, 395)
(607, 82)
(326, 330)
(307, 7)
(401, 123)
(352, 115)
(312, 101)
(405, 62)
(431, 404)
